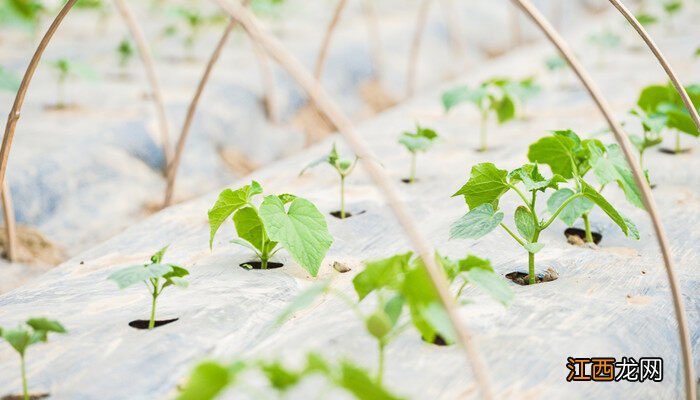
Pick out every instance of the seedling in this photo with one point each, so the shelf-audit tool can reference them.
(661, 106)
(490, 97)
(487, 184)
(652, 127)
(35, 330)
(156, 275)
(343, 166)
(671, 8)
(125, 51)
(646, 19)
(209, 379)
(25, 13)
(66, 69)
(8, 80)
(569, 156)
(283, 221)
(419, 141)
(697, 53)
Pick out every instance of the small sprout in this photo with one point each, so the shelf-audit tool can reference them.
(283, 221)
(555, 63)
(343, 166)
(492, 96)
(487, 184)
(156, 275)
(672, 7)
(660, 107)
(646, 19)
(65, 69)
(419, 141)
(125, 51)
(34, 331)
(8, 80)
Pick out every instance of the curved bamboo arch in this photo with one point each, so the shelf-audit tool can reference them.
(325, 44)
(622, 139)
(660, 57)
(148, 63)
(10, 225)
(334, 113)
(421, 20)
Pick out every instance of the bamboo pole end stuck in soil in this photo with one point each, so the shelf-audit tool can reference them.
(684, 337)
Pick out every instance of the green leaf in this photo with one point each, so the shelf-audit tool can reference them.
(530, 176)
(47, 325)
(427, 313)
(302, 230)
(230, 201)
(557, 151)
(633, 230)
(249, 227)
(533, 247)
(486, 185)
(421, 140)
(525, 222)
(358, 382)
(505, 109)
(138, 273)
(492, 284)
(18, 338)
(393, 308)
(473, 262)
(652, 96)
(477, 223)
(303, 300)
(600, 201)
(377, 274)
(646, 19)
(207, 381)
(279, 376)
(158, 256)
(573, 211)
(463, 94)
(612, 166)
(8, 80)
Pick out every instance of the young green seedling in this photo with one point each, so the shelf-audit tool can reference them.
(490, 97)
(419, 141)
(646, 19)
(125, 51)
(343, 166)
(210, 378)
(652, 127)
(35, 330)
(156, 275)
(487, 184)
(283, 221)
(661, 105)
(672, 8)
(26, 13)
(66, 69)
(8, 80)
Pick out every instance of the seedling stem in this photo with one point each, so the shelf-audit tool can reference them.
(380, 365)
(484, 126)
(587, 225)
(412, 179)
(342, 196)
(25, 391)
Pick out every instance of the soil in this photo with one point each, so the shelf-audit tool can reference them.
(577, 237)
(143, 323)
(63, 108)
(672, 152)
(376, 97)
(340, 267)
(523, 279)
(347, 214)
(35, 396)
(258, 265)
(32, 247)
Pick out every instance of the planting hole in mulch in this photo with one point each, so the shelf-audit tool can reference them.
(347, 214)
(258, 265)
(673, 152)
(408, 181)
(143, 323)
(523, 279)
(438, 341)
(32, 396)
(577, 236)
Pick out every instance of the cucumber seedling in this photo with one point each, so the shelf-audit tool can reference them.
(156, 275)
(572, 158)
(65, 69)
(344, 167)
(491, 97)
(283, 221)
(419, 141)
(125, 53)
(487, 184)
(662, 106)
(34, 331)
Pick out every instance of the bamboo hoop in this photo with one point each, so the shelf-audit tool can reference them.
(324, 103)
(268, 82)
(10, 225)
(171, 174)
(660, 57)
(12, 119)
(325, 44)
(421, 20)
(375, 41)
(148, 63)
(684, 337)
